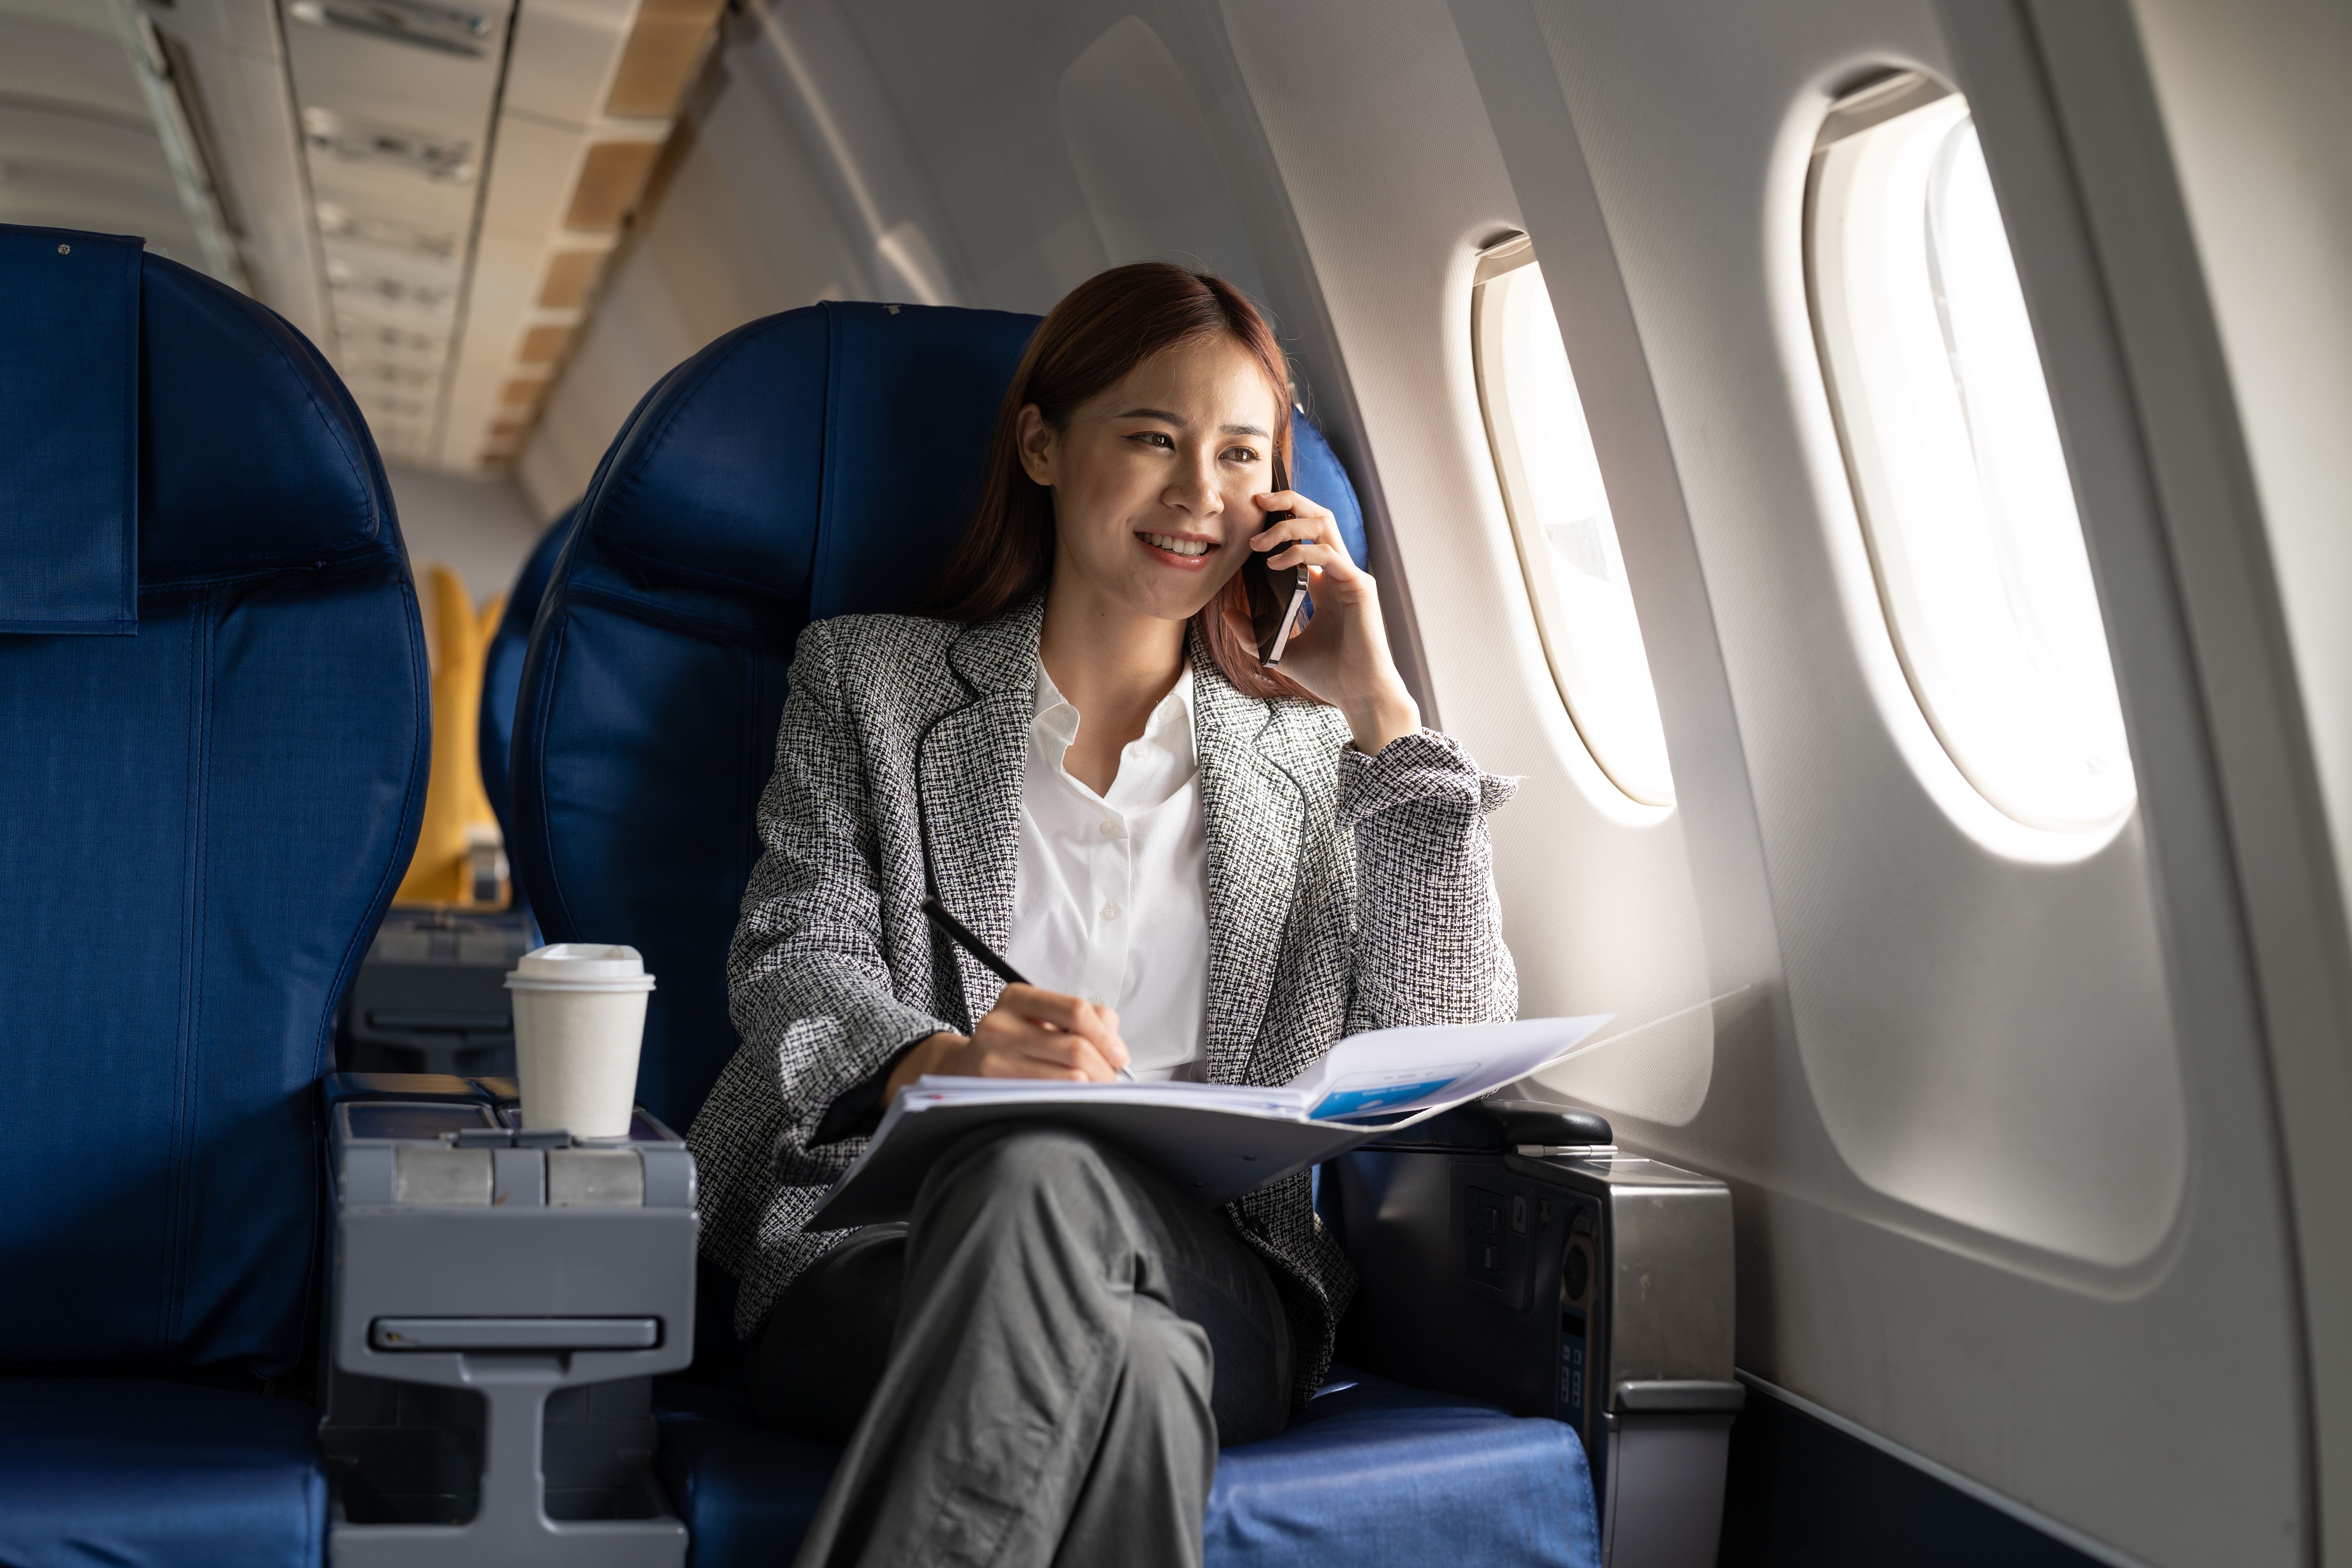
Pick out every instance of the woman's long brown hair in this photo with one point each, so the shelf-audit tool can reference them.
(1102, 329)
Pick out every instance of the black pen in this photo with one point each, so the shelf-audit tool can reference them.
(962, 935)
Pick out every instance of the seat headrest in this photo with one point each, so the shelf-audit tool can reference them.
(69, 433)
(828, 457)
(252, 454)
(786, 431)
(150, 413)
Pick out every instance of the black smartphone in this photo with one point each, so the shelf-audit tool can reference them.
(1277, 600)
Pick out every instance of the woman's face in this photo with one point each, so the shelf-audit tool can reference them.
(1153, 479)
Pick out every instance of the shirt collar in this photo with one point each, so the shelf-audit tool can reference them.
(1170, 726)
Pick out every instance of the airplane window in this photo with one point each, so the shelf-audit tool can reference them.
(1560, 518)
(1956, 461)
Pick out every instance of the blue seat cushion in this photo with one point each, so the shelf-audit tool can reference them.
(133, 1474)
(1374, 1473)
(1371, 1474)
(747, 1494)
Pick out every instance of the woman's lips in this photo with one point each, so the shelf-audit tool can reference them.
(1171, 549)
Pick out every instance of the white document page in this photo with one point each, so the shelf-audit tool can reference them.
(1378, 1075)
(1396, 1072)
(941, 1089)
(1215, 1140)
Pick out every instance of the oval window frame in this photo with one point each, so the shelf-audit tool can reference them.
(2022, 825)
(1511, 255)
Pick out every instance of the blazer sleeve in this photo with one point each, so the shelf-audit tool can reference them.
(1429, 927)
(808, 984)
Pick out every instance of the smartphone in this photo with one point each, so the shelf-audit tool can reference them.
(1278, 604)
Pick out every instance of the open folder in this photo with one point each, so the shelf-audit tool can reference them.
(1215, 1140)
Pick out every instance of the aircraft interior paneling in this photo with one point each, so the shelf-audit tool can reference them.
(2020, 1036)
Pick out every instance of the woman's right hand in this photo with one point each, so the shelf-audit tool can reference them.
(1029, 1033)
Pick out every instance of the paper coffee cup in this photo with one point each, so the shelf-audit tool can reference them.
(580, 1020)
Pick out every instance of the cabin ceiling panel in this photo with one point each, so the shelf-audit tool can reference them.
(396, 131)
(79, 148)
(71, 55)
(175, 119)
(228, 67)
(123, 163)
(430, 199)
(741, 224)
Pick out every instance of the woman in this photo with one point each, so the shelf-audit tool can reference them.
(1210, 870)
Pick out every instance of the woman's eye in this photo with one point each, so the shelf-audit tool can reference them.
(1240, 455)
(1155, 438)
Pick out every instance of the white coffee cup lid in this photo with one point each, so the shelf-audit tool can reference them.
(587, 965)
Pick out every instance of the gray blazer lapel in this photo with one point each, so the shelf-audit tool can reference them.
(970, 766)
(1254, 816)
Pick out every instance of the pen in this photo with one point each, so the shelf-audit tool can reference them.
(962, 935)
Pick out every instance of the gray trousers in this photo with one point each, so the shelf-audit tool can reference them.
(1071, 1339)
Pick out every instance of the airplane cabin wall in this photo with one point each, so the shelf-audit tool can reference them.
(1961, 1144)
(1393, 171)
(1998, 1202)
(2256, 115)
(2261, 134)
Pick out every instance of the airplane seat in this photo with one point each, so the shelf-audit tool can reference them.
(503, 668)
(735, 507)
(213, 711)
(431, 996)
(1373, 1472)
(761, 485)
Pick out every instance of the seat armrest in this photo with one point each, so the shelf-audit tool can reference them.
(500, 1300)
(1534, 1124)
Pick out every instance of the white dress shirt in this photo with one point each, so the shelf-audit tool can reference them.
(1110, 898)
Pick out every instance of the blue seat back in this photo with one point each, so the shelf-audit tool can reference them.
(200, 826)
(502, 667)
(815, 463)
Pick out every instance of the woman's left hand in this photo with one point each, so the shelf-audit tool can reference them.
(1341, 654)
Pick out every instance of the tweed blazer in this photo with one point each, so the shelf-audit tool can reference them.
(1346, 892)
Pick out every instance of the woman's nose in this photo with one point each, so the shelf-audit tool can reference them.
(1196, 492)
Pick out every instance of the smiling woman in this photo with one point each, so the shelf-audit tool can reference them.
(1076, 751)
(1011, 549)
(1131, 465)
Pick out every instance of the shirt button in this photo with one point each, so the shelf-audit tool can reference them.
(1110, 912)
(1111, 830)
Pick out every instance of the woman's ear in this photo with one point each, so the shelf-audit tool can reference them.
(1040, 445)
